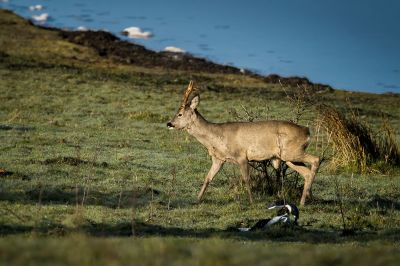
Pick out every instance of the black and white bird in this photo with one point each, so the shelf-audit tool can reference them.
(287, 213)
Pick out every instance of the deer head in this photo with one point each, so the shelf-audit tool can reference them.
(186, 112)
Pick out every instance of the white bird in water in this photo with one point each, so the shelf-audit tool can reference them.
(82, 28)
(35, 7)
(41, 18)
(174, 49)
(137, 33)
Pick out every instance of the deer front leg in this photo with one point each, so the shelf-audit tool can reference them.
(216, 165)
(244, 169)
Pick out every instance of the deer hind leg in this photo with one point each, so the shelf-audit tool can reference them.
(244, 170)
(306, 173)
(216, 165)
(309, 175)
(314, 162)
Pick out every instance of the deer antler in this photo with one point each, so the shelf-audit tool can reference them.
(187, 93)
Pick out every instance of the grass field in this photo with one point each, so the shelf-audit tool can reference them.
(90, 174)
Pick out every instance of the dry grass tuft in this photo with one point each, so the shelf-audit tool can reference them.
(354, 144)
(389, 149)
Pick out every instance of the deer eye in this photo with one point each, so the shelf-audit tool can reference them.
(179, 114)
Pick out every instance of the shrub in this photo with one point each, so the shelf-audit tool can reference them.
(282, 182)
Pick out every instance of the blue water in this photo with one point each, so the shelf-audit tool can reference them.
(352, 44)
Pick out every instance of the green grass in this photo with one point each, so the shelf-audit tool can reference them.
(79, 249)
(94, 176)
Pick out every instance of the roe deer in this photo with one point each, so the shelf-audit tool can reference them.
(241, 142)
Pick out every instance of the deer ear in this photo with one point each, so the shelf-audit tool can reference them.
(195, 102)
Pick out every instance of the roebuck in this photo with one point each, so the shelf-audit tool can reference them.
(241, 142)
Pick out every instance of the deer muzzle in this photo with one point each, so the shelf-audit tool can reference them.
(170, 125)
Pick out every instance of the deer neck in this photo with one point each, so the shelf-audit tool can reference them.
(205, 132)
